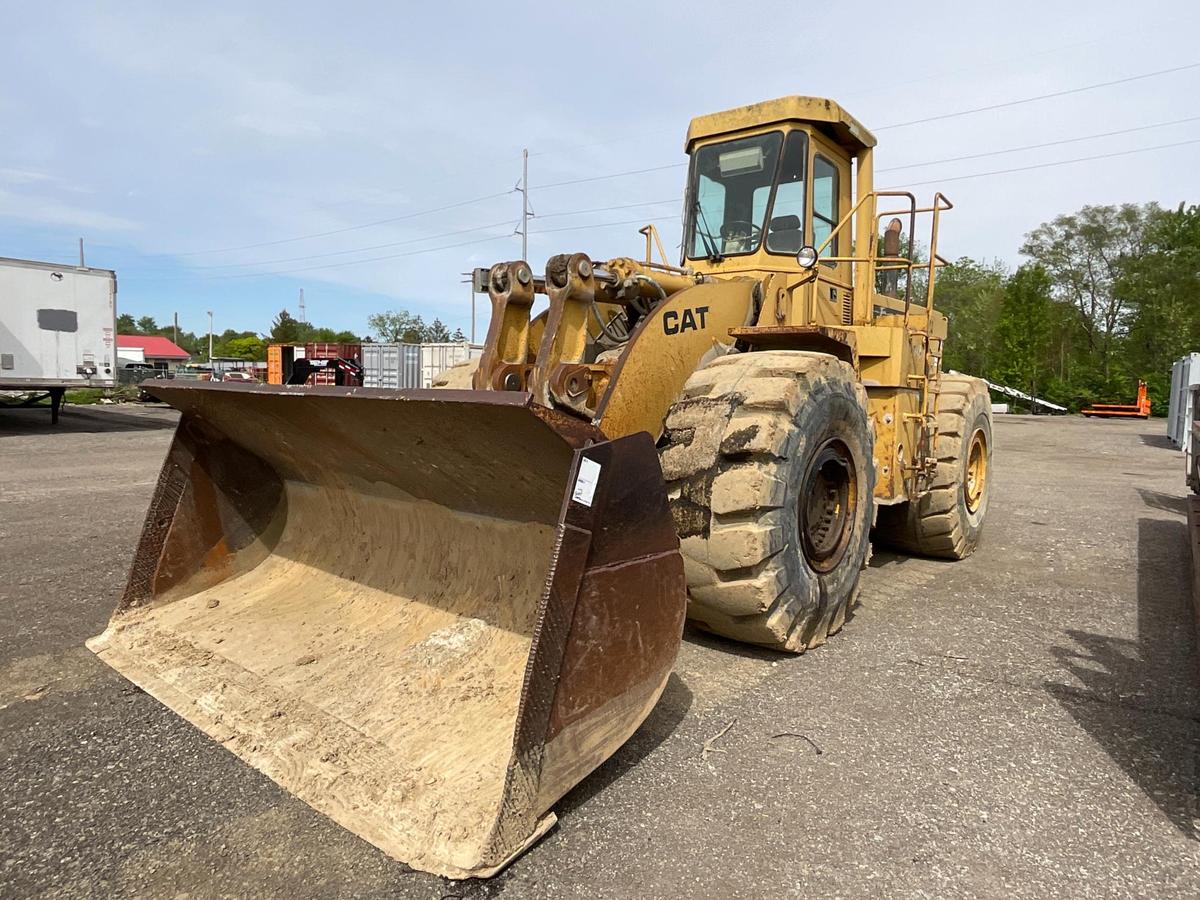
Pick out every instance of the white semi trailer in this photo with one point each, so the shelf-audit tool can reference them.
(58, 328)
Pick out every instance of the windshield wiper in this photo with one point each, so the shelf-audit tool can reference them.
(701, 226)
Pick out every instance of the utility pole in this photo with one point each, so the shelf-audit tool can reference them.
(524, 206)
(210, 339)
(175, 329)
(82, 265)
(302, 314)
(472, 284)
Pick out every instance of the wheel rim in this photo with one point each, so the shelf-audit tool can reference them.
(975, 483)
(828, 500)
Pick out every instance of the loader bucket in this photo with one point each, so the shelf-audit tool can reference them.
(428, 614)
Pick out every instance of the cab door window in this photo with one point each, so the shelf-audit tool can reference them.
(825, 203)
(785, 230)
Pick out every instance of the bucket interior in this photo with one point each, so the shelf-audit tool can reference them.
(366, 647)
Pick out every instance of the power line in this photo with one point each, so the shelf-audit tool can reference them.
(305, 237)
(1008, 103)
(601, 225)
(351, 262)
(594, 226)
(590, 226)
(1048, 165)
(423, 250)
(642, 204)
(595, 178)
(1074, 140)
(414, 215)
(542, 187)
(580, 212)
(416, 240)
(429, 237)
(1002, 63)
(995, 63)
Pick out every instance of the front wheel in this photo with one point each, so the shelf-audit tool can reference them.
(768, 459)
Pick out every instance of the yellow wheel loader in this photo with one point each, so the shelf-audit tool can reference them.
(429, 614)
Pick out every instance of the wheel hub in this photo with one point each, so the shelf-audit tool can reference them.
(827, 505)
(975, 481)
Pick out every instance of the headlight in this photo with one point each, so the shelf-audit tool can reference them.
(807, 257)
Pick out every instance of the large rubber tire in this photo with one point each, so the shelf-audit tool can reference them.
(947, 522)
(738, 456)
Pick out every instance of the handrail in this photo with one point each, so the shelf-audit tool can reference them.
(650, 231)
(879, 263)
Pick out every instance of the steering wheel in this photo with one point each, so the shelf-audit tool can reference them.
(739, 229)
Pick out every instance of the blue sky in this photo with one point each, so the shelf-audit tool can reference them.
(191, 145)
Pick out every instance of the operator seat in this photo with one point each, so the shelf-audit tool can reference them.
(785, 235)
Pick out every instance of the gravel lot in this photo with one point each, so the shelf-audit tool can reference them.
(1020, 724)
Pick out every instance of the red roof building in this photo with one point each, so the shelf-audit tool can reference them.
(159, 352)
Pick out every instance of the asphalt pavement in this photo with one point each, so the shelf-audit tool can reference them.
(1020, 724)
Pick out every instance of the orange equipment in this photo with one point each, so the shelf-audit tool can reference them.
(1139, 410)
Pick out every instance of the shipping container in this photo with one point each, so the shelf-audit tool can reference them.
(57, 326)
(279, 362)
(436, 358)
(330, 350)
(391, 365)
(274, 364)
(1185, 375)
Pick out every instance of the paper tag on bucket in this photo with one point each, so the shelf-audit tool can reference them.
(585, 481)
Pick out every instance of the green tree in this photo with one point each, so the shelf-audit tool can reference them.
(248, 347)
(1023, 330)
(126, 324)
(437, 332)
(458, 335)
(285, 329)
(1162, 290)
(147, 325)
(336, 337)
(397, 326)
(1085, 254)
(970, 293)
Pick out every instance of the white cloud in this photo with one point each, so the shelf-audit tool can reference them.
(25, 176)
(229, 124)
(46, 211)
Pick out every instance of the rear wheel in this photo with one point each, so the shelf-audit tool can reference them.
(947, 521)
(768, 458)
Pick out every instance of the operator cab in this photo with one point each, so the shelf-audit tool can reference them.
(767, 181)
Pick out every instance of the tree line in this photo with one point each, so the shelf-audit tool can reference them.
(400, 326)
(391, 326)
(230, 343)
(1109, 296)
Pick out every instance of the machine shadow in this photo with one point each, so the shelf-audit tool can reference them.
(1157, 440)
(1137, 701)
(1166, 502)
(672, 706)
(34, 420)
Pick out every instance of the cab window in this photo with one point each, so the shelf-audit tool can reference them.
(731, 191)
(785, 231)
(825, 203)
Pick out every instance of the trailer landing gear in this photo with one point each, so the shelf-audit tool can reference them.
(56, 399)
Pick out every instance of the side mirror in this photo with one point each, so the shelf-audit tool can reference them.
(806, 258)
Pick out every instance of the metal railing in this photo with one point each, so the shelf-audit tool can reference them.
(900, 264)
